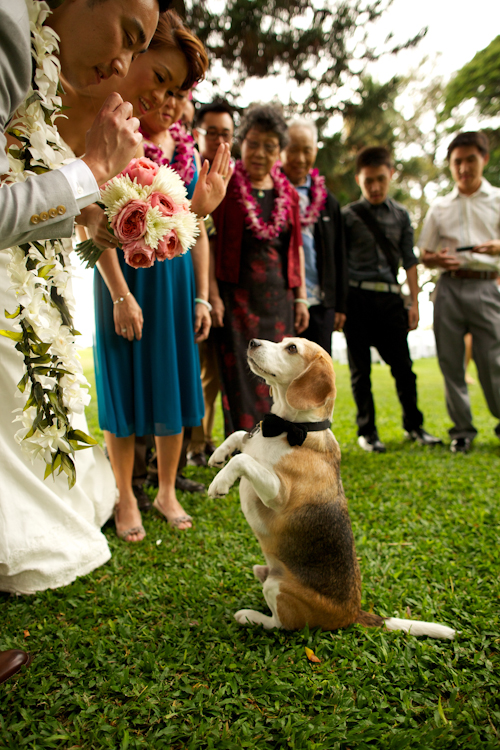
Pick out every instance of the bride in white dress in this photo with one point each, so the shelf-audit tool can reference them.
(49, 534)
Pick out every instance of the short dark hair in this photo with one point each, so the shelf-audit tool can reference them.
(218, 106)
(373, 156)
(265, 117)
(470, 138)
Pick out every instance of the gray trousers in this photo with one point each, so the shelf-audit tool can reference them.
(468, 306)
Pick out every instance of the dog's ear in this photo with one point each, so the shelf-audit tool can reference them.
(313, 387)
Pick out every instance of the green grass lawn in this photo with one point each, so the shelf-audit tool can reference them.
(144, 653)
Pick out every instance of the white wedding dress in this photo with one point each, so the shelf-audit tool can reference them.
(49, 534)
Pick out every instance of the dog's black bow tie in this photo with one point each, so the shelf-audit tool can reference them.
(296, 432)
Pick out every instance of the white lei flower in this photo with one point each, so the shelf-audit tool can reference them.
(40, 275)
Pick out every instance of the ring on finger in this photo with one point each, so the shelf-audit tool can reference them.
(124, 330)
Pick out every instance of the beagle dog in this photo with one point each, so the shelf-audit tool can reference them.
(292, 497)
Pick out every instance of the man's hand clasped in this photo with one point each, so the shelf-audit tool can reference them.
(113, 139)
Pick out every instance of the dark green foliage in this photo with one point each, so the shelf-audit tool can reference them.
(479, 79)
(310, 42)
(144, 652)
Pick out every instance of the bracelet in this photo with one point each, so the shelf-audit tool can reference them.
(121, 299)
(204, 302)
(302, 301)
(202, 218)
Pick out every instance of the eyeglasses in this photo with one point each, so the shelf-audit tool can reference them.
(269, 148)
(212, 134)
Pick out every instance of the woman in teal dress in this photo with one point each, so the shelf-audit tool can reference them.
(148, 322)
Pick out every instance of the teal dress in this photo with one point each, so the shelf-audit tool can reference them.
(151, 386)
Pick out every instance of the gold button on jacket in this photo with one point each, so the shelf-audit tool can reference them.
(52, 213)
(43, 216)
(35, 219)
(61, 210)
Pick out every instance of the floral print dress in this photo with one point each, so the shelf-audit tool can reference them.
(259, 306)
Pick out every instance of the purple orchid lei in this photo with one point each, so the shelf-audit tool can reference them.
(184, 152)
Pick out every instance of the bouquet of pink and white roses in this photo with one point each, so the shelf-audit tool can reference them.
(148, 213)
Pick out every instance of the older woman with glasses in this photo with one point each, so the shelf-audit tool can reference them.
(257, 275)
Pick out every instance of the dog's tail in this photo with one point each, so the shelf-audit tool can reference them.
(414, 627)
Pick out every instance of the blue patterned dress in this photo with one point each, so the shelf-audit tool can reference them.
(151, 386)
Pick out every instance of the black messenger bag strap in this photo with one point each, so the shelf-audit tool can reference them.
(383, 241)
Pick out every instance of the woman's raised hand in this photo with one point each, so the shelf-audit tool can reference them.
(212, 185)
(127, 316)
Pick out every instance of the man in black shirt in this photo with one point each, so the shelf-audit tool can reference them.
(379, 236)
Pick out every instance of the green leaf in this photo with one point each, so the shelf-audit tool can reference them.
(81, 437)
(68, 467)
(44, 271)
(23, 382)
(14, 314)
(441, 712)
(14, 335)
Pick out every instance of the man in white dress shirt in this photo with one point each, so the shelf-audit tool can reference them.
(98, 39)
(465, 225)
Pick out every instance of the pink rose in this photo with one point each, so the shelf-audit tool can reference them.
(143, 170)
(138, 255)
(130, 223)
(165, 203)
(169, 246)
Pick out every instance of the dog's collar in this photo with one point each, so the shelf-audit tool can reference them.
(296, 432)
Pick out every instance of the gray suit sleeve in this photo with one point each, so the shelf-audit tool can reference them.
(22, 200)
(40, 193)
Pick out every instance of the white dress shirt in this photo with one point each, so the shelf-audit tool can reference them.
(82, 182)
(458, 220)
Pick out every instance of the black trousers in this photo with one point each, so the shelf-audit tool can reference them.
(379, 319)
(321, 325)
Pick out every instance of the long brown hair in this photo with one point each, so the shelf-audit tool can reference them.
(172, 32)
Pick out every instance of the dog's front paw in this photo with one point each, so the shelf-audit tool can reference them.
(218, 457)
(220, 486)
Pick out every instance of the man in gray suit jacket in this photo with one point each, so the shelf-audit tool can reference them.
(99, 38)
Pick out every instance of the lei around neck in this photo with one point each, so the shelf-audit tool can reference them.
(261, 229)
(318, 199)
(183, 162)
(53, 383)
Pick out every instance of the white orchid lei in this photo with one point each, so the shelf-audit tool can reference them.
(40, 275)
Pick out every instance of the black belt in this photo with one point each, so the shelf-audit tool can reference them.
(465, 273)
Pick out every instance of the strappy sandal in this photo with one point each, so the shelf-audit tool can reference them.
(177, 520)
(134, 530)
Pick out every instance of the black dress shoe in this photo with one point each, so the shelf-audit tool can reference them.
(11, 662)
(371, 443)
(210, 448)
(143, 501)
(187, 485)
(461, 445)
(196, 459)
(421, 436)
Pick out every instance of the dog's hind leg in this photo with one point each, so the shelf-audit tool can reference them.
(270, 590)
(261, 572)
(251, 617)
